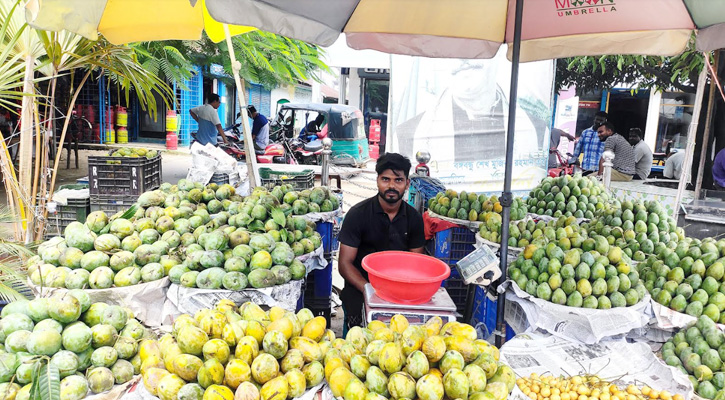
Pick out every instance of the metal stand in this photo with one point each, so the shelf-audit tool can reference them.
(325, 173)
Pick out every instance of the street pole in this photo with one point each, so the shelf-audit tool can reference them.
(608, 156)
(327, 150)
(506, 196)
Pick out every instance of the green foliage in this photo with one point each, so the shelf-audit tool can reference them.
(265, 58)
(645, 72)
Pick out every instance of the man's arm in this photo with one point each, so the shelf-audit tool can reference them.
(221, 132)
(419, 250)
(348, 270)
(193, 115)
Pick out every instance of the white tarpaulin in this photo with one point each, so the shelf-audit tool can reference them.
(457, 111)
(623, 363)
(145, 299)
(578, 324)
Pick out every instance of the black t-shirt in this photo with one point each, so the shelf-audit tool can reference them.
(369, 229)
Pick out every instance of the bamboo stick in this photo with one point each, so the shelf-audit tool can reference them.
(65, 129)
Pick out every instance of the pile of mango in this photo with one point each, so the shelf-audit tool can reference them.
(426, 362)
(92, 346)
(207, 237)
(592, 387)
(243, 353)
(472, 206)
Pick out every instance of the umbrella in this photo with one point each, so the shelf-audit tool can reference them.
(128, 21)
(476, 29)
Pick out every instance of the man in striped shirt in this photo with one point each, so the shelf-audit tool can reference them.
(590, 145)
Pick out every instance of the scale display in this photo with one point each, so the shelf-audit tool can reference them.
(480, 267)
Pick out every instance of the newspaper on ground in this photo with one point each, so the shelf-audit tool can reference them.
(618, 361)
(183, 300)
(472, 225)
(139, 392)
(144, 299)
(329, 216)
(314, 260)
(574, 323)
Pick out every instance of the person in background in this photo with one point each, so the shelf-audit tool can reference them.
(673, 165)
(383, 222)
(642, 154)
(260, 128)
(208, 119)
(590, 145)
(312, 127)
(623, 163)
(554, 141)
(718, 170)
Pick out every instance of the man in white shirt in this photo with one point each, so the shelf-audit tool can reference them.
(642, 154)
(673, 165)
(208, 119)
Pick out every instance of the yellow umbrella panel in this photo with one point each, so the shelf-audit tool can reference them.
(128, 21)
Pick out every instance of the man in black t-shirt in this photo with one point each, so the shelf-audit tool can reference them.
(383, 222)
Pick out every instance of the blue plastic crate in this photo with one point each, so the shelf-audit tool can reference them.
(329, 237)
(484, 311)
(452, 244)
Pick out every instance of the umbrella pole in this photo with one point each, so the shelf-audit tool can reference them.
(251, 158)
(507, 197)
(690, 148)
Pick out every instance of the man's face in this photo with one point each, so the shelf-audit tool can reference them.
(598, 120)
(216, 104)
(604, 133)
(633, 139)
(392, 185)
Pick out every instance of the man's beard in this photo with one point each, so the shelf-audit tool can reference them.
(388, 200)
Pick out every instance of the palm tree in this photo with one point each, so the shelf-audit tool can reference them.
(52, 55)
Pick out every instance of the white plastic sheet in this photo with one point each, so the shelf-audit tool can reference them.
(578, 324)
(472, 225)
(145, 299)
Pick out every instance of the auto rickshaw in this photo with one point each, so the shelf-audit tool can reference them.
(343, 124)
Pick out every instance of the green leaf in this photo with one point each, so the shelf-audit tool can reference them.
(130, 212)
(278, 217)
(283, 235)
(46, 382)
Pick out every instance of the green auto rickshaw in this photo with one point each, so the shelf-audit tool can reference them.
(343, 124)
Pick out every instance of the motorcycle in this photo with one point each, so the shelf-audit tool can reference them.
(274, 153)
(565, 167)
(306, 153)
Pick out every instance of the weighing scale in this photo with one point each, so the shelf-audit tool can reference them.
(377, 309)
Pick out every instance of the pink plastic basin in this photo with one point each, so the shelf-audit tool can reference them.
(405, 278)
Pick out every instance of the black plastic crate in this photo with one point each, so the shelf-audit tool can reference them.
(75, 210)
(299, 180)
(320, 307)
(219, 178)
(127, 176)
(112, 204)
(452, 244)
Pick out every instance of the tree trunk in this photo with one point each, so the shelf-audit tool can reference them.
(25, 165)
